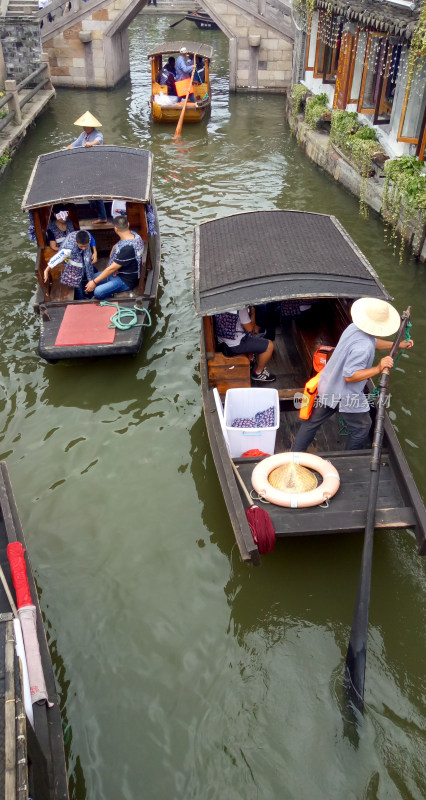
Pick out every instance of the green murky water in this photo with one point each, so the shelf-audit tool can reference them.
(182, 672)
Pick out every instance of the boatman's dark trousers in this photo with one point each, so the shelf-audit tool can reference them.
(358, 424)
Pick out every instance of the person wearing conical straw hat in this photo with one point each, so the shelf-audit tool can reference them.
(342, 382)
(90, 137)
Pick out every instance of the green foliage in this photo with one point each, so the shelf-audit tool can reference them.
(417, 50)
(5, 159)
(315, 108)
(297, 93)
(359, 142)
(404, 197)
(366, 134)
(343, 125)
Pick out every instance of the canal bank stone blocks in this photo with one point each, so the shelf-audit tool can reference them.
(21, 45)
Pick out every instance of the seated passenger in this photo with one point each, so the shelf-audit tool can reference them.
(59, 227)
(129, 264)
(234, 330)
(120, 276)
(79, 267)
(200, 72)
(166, 78)
(171, 65)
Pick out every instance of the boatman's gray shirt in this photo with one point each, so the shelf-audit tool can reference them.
(355, 350)
(93, 136)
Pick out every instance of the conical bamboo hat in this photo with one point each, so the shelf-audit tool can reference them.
(292, 478)
(87, 120)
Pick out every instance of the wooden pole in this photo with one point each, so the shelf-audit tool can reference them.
(357, 649)
(182, 113)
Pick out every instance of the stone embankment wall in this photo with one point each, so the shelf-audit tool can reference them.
(319, 149)
(21, 45)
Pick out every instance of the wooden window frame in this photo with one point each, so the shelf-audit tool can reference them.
(421, 147)
(401, 138)
(318, 69)
(318, 74)
(370, 36)
(308, 46)
(351, 78)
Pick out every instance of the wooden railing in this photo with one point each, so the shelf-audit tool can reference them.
(14, 97)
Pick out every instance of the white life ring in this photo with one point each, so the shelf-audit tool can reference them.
(327, 488)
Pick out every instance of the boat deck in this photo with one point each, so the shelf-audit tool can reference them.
(347, 509)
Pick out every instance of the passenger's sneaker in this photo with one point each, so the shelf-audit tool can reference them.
(263, 377)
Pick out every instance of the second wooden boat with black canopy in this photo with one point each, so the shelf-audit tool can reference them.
(31, 734)
(75, 179)
(283, 257)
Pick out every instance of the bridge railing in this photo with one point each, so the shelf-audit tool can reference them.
(55, 10)
(14, 97)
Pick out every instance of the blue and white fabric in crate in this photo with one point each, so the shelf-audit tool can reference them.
(263, 419)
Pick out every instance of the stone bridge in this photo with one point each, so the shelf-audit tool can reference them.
(87, 40)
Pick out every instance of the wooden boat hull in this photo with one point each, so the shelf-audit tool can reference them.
(126, 173)
(171, 114)
(202, 21)
(399, 503)
(285, 255)
(40, 758)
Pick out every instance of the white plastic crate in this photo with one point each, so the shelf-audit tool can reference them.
(246, 403)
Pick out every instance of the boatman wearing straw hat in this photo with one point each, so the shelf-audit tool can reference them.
(342, 382)
(90, 137)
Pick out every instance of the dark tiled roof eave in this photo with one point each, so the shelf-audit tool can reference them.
(395, 20)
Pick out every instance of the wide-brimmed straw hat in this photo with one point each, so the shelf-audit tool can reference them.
(376, 317)
(292, 478)
(183, 50)
(87, 120)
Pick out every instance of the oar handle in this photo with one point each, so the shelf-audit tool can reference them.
(241, 482)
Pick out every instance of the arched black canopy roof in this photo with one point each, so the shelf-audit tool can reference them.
(259, 256)
(168, 48)
(102, 172)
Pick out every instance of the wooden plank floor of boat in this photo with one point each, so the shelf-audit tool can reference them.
(347, 509)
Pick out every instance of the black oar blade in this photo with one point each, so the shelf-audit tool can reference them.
(355, 677)
(262, 528)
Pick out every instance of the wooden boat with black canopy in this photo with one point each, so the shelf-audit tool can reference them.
(165, 105)
(262, 257)
(76, 178)
(33, 759)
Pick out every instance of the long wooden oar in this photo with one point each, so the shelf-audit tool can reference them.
(179, 126)
(357, 649)
(178, 22)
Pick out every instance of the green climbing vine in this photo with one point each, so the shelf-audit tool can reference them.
(404, 198)
(417, 49)
(5, 159)
(298, 92)
(360, 143)
(315, 108)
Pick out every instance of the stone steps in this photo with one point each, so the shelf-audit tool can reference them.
(173, 6)
(22, 8)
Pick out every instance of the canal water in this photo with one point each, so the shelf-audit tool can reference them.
(182, 672)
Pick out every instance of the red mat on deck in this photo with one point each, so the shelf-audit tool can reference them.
(85, 324)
